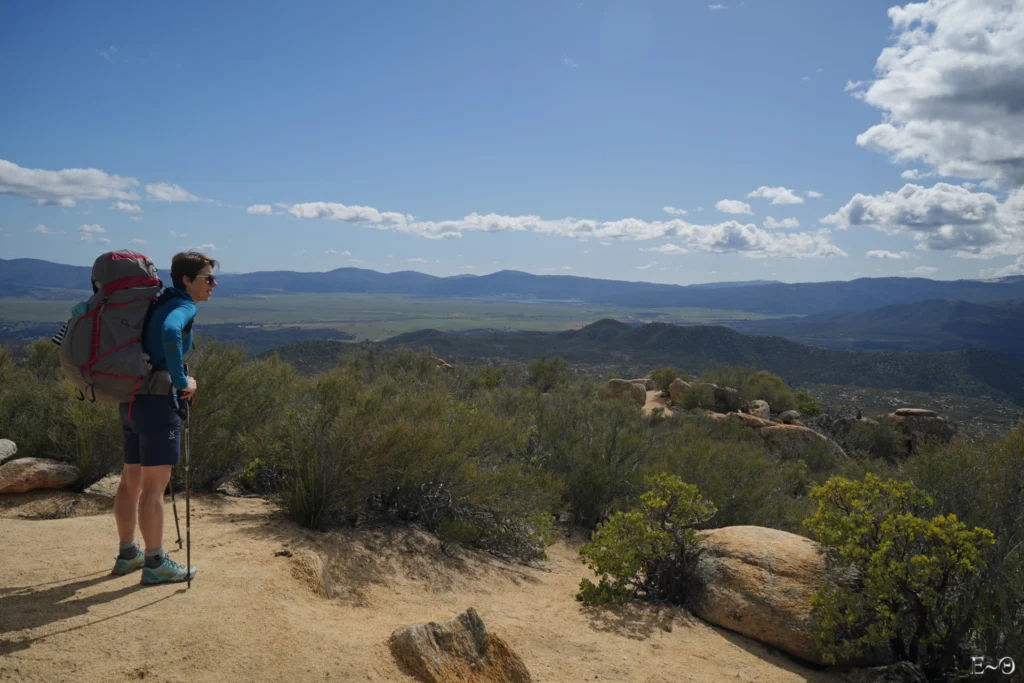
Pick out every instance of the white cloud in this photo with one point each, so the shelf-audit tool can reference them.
(354, 260)
(727, 237)
(717, 7)
(814, 195)
(167, 192)
(649, 265)
(805, 78)
(854, 85)
(784, 224)
(940, 218)
(778, 195)
(674, 211)
(90, 234)
(64, 187)
(42, 230)
(569, 63)
(107, 54)
(921, 270)
(261, 210)
(178, 234)
(667, 249)
(330, 251)
(417, 260)
(125, 207)
(951, 89)
(605, 244)
(890, 255)
(733, 206)
(1015, 268)
(135, 218)
(137, 241)
(346, 253)
(915, 174)
(566, 267)
(474, 268)
(206, 247)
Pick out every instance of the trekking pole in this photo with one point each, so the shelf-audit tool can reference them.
(170, 482)
(174, 505)
(188, 518)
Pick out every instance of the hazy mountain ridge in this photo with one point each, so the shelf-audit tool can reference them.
(32, 277)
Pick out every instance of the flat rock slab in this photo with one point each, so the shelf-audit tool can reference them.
(459, 650)
(107, 486)
(28, 474)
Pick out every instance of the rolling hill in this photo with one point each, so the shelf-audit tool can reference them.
(933, 325)
(696, 349)
(32, 277)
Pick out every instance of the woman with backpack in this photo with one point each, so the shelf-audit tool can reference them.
(151, 425)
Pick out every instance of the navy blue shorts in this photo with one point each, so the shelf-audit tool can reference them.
(153, 435)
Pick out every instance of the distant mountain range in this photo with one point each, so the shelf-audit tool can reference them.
(696, 349)
(933, 325)
(43, 279)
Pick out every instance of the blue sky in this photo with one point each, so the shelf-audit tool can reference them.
(546, 136)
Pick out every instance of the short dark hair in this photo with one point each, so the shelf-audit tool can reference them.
(188, 264)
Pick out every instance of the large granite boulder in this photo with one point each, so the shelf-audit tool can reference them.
(676, 390)
(759, 408)
(758, 582)
(783, 438)
(919, 426)
(8, 450)
(459, 649)
(29, 474)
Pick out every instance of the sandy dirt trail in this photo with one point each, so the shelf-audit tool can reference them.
(252, 615)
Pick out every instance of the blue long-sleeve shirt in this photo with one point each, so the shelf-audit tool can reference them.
(168, 336)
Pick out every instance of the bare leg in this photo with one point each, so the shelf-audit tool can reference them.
(126, 502)
(151, 504)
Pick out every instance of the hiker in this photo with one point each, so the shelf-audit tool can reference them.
(152, 427)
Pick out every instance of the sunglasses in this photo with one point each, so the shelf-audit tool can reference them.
(209, 278)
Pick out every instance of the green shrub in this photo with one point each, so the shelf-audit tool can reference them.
(983, 484)
(754, 384)
(650, 552)
(806, 405)
(699, 395)
(546, 374)
(664, 377)
(903, 582)
(876, 440)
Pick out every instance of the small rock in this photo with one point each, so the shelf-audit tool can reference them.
(29, 474)
(676, 390)
(8, 449)
(459, 649)
(106, 487)
(759, 408)
(789, 417)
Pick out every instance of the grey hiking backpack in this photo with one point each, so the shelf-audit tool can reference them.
(101, 351)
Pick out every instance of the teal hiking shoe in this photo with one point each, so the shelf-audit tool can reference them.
(123, 566)
(169, 571)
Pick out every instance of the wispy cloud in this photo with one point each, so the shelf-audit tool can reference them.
(854, 85)
(135, 218)
(42, 230)
(674, 211)
(921, 271)
(125, 207)
(330, 251)
(168, 192)
(206, 247)
(814, 195)
(569, 62)
(468, 268)
(888, 255)
(91, 234)
(107, 54)
(178, 234)
(726, 237)
(416, 260)
(733, 206)
(717, 7)
(784, 224)
(916, 174)
(666, 249)
(137, 241)
(777, 195)
(648, 266)
(260, 210)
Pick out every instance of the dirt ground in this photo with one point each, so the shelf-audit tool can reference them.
(324, 613)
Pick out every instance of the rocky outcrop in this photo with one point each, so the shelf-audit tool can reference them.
(106, 487)
(789, 417)
(759, 408)
(648, 383)
(458, 650)
(919, 426)
(676, 390)
(29, 474)
(784, 438)
(751, 421)
(616, 388)
(758, 582)
(638, 393)
(442, 364)
(8, 450)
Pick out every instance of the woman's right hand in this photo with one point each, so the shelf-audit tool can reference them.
(191, 388)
